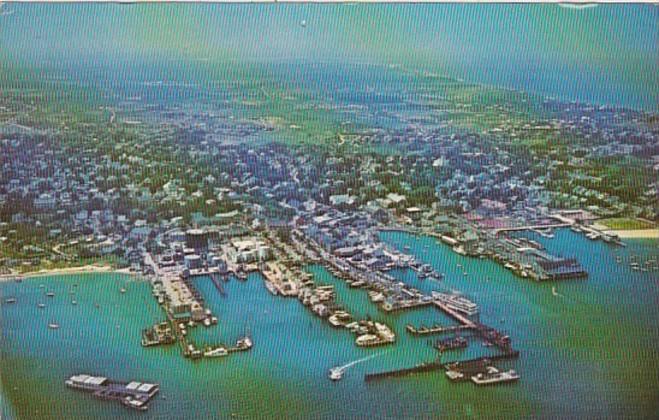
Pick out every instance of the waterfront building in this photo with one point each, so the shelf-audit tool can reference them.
(196, 239)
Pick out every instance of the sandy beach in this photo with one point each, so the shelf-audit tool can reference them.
(62, 271)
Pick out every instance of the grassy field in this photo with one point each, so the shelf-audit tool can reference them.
(624, 223)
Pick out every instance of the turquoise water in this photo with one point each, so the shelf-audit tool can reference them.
(590, 353)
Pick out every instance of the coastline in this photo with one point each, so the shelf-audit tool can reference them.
(85, 269)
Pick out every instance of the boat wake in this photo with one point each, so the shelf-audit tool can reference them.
(355, 362)
(555, 293)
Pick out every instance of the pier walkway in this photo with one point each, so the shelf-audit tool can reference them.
(455, 315)
(530, 227)
(437, 329)
(218, 284)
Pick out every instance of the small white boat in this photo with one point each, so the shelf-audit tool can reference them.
(218, 352)
(41, 305)
(244, 343)
(122, 290)
(53, 326)
(10, 300)
(336, 373)
(74, 302)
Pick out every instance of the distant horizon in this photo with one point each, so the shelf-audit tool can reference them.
(604, 55)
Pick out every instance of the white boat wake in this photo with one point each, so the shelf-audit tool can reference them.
(355, 362)
(555, 293)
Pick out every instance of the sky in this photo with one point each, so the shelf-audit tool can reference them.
(606, 53)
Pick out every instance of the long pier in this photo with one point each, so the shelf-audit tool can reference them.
(530, 227)
(469, 363)
(436, 329)
(455, 314)
(461, 365)
(218, 284)
(420, 368)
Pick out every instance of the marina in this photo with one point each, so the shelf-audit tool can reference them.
(296, 346)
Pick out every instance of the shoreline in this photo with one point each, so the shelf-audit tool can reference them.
(86, 269)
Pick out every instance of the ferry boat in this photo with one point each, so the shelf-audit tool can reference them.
(339, 318)
(457, 303)
(493, 376)
(336, 373)
(217, 352)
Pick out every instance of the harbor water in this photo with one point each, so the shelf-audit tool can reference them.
(588, 347)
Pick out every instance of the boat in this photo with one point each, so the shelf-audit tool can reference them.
(244, 343)
(217, 352)
(376, 296)
(368, 340)
(457, 303)
(207, 322)
(73, 302)
(339, 318)
(50, 294)
(10, 300)
(336, 373)
(493, 376)
(271, 288)
(53, 326)
(122, 290)
(450, 344)
(41, 305)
